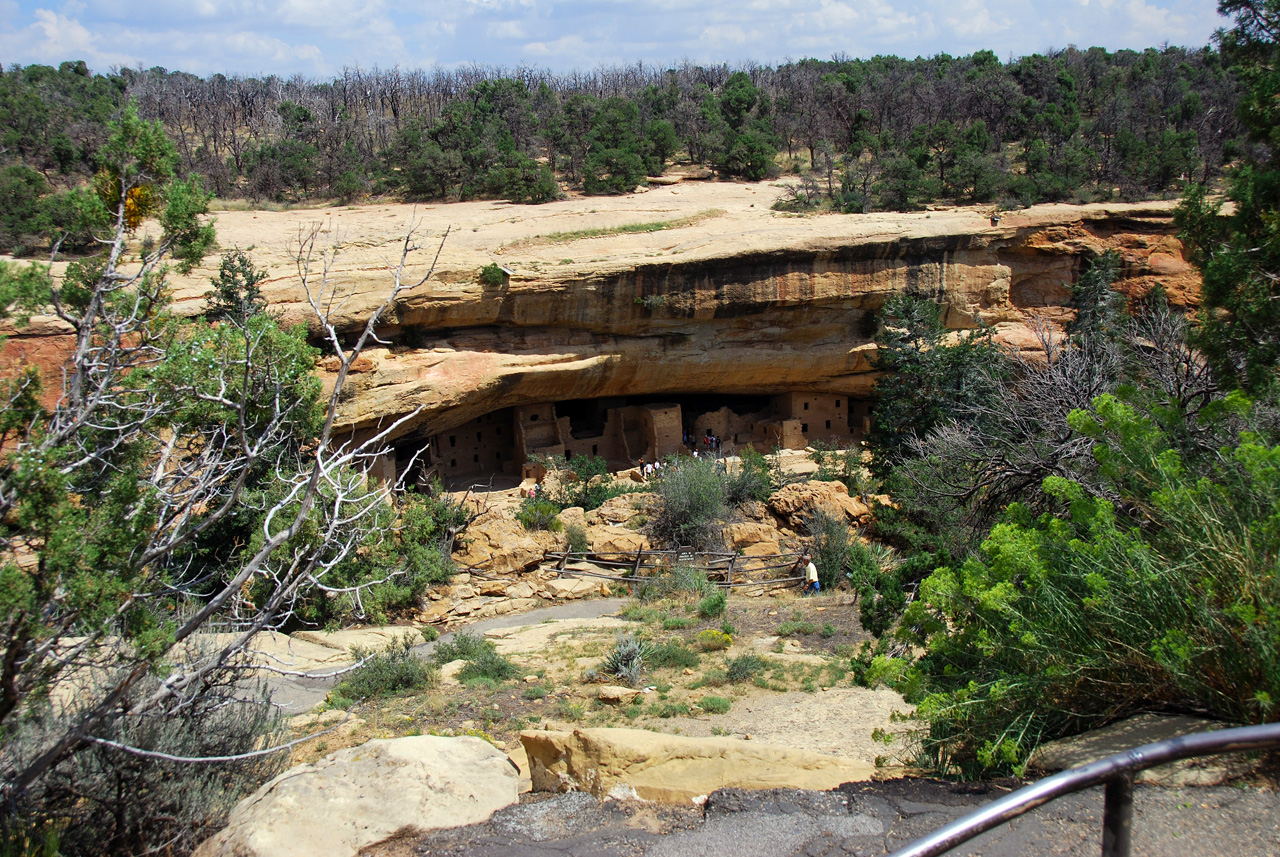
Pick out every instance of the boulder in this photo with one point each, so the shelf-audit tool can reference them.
(744, 535)
(571, 587)
(612, 694)
(617, 540)
(497, 544)
(793, 503)
(493, 587)
(360, 796)
(673, 768)
(762, 549)
(619, 510)
(574, 515)
(1142, 729)
(436, 613)
(520, 590)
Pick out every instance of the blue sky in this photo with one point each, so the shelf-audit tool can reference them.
(320, 37)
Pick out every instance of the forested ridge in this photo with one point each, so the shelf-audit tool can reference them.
(884, 133)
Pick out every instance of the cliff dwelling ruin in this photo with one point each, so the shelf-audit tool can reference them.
(623, 431)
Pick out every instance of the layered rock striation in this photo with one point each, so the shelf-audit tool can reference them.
(730, 298)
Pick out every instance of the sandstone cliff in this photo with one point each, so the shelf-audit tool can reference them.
(732, 298)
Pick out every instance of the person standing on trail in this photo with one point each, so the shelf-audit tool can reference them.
(810, 574)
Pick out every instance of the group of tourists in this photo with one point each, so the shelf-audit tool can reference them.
(710, 443)
(650, 468)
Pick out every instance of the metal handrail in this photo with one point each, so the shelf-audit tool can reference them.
(1116, 772)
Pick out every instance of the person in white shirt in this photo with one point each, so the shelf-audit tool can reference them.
(810, 575)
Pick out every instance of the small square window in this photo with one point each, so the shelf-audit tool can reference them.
(828, 423)
(837, 403)
(453, 440)
(533, 418)
(453, 462)
(804, 428)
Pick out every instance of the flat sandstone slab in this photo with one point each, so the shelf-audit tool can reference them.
(674, 769)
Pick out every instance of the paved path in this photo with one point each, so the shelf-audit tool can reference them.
(861, 819)
(298, 694)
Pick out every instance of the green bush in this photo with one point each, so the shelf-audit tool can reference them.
(673, 654)
(693, 495)
(795, 627)
(1167, 594)
(676, 623)
(577, 537)
(713, 605)
(108, 801)
(393, 670)
(488, 664)
(715, 704)
(754, 480)
(745, 667)
(462, 647)
(493, 276)
(712, 678)
(680, 581)
(539, 513)
(831, 539)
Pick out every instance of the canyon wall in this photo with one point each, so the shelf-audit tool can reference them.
(727, 299)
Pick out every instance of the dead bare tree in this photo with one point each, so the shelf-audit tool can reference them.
(162, 427)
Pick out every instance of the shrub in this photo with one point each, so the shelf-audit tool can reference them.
(488, 664)
(393, 670)
(693, 493)
(1065, 619)
(673, 709)
(712, 606)
(675, 623)
(627, 658)
(744, 667)
(107, 801)
(679, 581)
(569, 710)
(539, 513)
(577, 537)
(828, 630)
(673, 654)
(795, 627)
(493, 276)
(463, 647)
(712, 678)
(535, 691)
(753, 481)
(832, 540)
(712, 640)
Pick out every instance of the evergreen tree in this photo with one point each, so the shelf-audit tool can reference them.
(235, 295)
(1239, 254)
